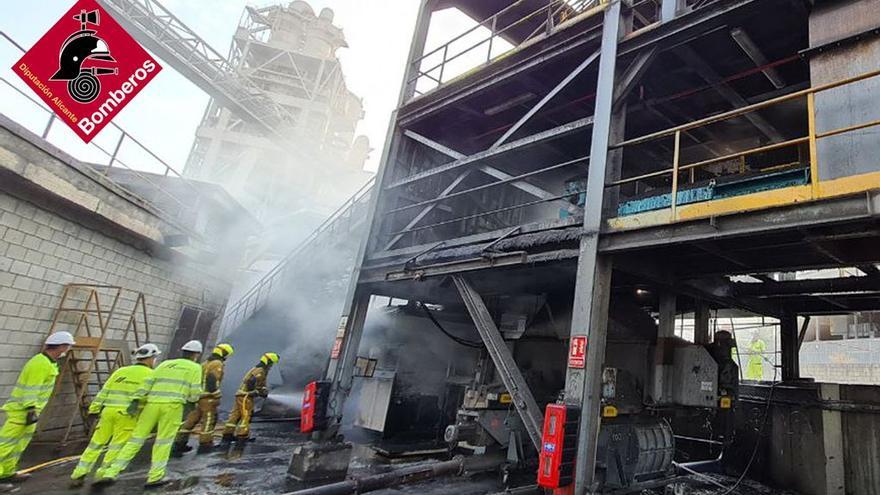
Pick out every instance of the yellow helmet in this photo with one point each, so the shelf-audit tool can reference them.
(269, 358)
(224, 350)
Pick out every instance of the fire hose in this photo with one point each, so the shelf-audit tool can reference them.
(458, 466)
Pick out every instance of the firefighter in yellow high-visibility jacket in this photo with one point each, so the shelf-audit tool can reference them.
(114, 424)
(238, 426)
(174, 385)
(206, 410)
(30, 395)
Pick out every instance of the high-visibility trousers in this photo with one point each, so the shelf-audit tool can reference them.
(206, 413)
(14, 439)
(239, 422)
(114, 429)
(166, 420)
(755, 369)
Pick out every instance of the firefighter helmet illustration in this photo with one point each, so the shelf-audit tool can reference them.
(81, 46)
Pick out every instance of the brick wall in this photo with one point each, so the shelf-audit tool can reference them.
(41, 251)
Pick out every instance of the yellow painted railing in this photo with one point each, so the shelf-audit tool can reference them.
(816, 190)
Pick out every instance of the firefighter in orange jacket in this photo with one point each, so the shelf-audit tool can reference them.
(253, 385)
(205, 411)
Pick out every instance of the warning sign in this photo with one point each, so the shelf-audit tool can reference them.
(337, 348)
(577, 352)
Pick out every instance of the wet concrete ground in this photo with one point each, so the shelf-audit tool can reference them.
(254, 467)
(261, 467)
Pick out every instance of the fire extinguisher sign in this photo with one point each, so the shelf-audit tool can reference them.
(577, 352)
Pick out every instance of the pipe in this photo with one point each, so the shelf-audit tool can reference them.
(456, 467)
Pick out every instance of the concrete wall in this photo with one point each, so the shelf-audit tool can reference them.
(819, 439)
(58, 225)
(842, 361)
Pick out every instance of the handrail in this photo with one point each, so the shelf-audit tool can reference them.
(491, 23)
(115, 159)
(743, 110)
(233, 315)
(811, 138)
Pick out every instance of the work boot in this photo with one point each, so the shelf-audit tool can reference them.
(77, 482)
(103, 481)
(228, 438)
(155, 484)
(244, 439)
(204, 448)
(180, 448)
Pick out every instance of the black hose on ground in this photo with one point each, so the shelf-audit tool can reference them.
(413, 474)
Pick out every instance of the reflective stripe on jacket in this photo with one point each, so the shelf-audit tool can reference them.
(177, 381)
(34, 386)
(254, 381)
(119, 389)
(212, 375)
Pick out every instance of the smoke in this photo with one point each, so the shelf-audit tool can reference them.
(299, 320)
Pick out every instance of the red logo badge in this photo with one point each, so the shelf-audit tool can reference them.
(87, 68)
(577, 352)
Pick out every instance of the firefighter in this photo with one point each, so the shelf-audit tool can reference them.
(30, 395)
(114, 424)
(173, 385)
(206, 409)
(253, 385)
(755, 365)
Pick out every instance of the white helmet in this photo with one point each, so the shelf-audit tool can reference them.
(192, 346)
(146, 351)
(60, 338)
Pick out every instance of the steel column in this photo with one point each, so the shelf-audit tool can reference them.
(354, 312)
(516, 385)
(701, 323)
(788, 336)
(593, 282)
(420, 36)
(669, 9)
(663, 354)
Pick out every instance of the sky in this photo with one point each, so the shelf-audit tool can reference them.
(164, 116)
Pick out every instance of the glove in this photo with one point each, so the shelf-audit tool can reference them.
(264, 393)
(133, 407)
(31, 417)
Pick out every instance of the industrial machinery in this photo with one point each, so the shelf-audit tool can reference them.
(647, 383)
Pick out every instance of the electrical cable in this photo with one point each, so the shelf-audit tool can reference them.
(458, 340)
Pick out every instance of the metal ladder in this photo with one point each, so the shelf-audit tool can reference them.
(95, 356)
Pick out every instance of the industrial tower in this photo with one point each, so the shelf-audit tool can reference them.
(314, 162)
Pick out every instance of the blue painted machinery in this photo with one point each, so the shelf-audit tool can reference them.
(718, 189)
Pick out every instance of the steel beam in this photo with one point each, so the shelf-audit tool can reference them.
(803, 332)
(534, 139)
(516, 385)
(593, 281)
(522, 185)
(549, 96)
(690, 57)
(826, 286)
(752, 50)
(632, 75)
(429, 208)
